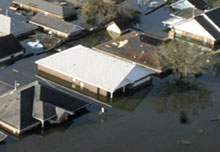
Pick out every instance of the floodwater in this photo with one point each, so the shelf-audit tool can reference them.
(151, 120)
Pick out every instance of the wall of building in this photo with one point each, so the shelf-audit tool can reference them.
(69, 81)
(52, 31)
(173, 34)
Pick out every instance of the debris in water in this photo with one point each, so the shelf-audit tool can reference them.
(102, 111)
(202, 132)
(15, 70)
(36, 44)
(183, 142)
(215, 119)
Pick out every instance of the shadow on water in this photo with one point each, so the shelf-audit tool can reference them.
(182, 97)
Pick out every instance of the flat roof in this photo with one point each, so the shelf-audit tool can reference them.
(94, 68)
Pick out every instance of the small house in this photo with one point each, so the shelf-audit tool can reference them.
(24, 108)
(135, 47)
(92, 71)
(16, 27)
(16, 111)
(10, 48)
(118, 26)
(56, 26)
(183, 4)
(46, 8)
(203, 29)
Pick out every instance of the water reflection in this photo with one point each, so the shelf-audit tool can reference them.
(183, 97)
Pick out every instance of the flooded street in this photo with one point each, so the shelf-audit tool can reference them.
(153, 119)
(154, 125)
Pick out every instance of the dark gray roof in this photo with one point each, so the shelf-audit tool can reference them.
(48, 7)
(61, 99)
(214, 15)
(200, 4)
(56, 24)
(9, 45)
(2, 136)
(5, 3)
(4, 88)
(43, 111)
(13, 15)
(15, 27)
(16, 109)
(208, 26)
(187, 13)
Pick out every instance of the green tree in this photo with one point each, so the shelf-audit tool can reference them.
(103, 11)
(185, 59)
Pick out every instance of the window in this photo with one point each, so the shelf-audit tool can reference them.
(178, 33)
(204, 40)
(188, 36)
(81, 85)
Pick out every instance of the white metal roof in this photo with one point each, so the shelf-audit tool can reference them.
(192, 26)
(95, 68)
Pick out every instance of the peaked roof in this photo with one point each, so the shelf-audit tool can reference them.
(4, 88)
(183, 4)
(43, 111)
(200, 4)
(61, 99)
(209, 20)
(2, 136)
(208, 26)
(56, 24)
(140, 48)
(48, 7)
(9, 45)
(188, 12)
(12, 26)
(24, 107)
(214, 15)
(16, 109)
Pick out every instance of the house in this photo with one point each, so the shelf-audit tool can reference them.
(10, 48)
(135, 47)
(46, 8)
(183, 4)
(92, 71)
(2, 136)
(203, 29)
(16, 27)
(118, 26)
(56, 26)
(16, 111)
(24, 108)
